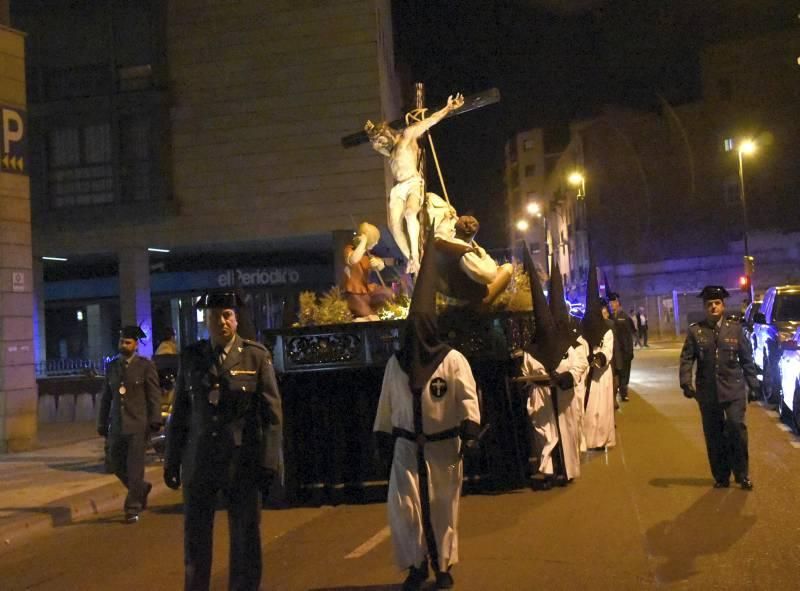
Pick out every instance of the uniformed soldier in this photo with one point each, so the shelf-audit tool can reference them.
(724, 364)
(224, 434)
(130, 408)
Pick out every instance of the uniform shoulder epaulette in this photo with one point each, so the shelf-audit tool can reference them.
(733, 318)
(694, 324)
(249, 343)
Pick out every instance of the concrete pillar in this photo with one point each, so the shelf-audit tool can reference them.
(134, 294)
(18, 394)
(99, 329)
(39, 328)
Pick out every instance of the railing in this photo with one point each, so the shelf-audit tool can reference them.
(71, 367)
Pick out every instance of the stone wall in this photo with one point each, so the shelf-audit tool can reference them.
(18, 398)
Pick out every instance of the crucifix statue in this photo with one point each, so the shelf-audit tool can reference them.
(399, 143)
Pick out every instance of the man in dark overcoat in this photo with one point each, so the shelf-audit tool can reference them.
(623, 345)
(224, 434)
(130, 408)
(724, 360)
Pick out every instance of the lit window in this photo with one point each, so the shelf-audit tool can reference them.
(729, 144)
(528, 145)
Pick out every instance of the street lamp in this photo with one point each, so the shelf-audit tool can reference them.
(522, 225)
(576, 179)
(746, 148)
(534, 208)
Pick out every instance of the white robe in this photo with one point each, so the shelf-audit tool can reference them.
(598, 419)
(580, 392)
(445, 468)
(542, 414)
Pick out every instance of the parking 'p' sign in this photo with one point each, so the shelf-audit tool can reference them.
(14, 140)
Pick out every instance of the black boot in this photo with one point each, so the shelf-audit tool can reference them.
(416, 576)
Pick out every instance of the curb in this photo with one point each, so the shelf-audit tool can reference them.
(71, 510)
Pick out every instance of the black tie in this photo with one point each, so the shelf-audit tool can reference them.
(219, 355)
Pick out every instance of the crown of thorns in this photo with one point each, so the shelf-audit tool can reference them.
(373, 130)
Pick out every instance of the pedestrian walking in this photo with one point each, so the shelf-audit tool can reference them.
(724, 360)
(224, 434)
(130, 409)
(429, 405)
(634, 328)
(623, 345)
(641, 324)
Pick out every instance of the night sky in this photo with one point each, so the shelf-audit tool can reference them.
(553, 61)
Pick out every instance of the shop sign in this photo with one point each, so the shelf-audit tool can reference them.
(258, 277)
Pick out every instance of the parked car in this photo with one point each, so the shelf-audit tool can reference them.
(789, 368)
(775, 322)
(747, 322)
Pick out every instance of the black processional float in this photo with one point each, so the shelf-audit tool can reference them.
(330, 378)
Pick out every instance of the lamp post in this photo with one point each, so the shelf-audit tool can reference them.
(746, 148)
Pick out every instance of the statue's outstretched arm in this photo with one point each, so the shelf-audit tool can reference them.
(415, 130)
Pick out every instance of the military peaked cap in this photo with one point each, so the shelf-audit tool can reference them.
(132, 331)
(219, 299)
(713, 292)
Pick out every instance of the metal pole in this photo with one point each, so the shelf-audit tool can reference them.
(744, 220)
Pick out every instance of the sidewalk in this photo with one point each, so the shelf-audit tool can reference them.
(61, 482)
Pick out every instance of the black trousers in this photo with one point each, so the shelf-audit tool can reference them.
(244, 523)
(726, 438)
(623, 375)
(643, 336)
(127, 458)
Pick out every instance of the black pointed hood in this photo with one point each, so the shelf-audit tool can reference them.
(559, 309)
(558, 305)
(593, 326)
(422, 351)
(544, 348)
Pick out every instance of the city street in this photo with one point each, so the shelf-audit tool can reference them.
(643, 515)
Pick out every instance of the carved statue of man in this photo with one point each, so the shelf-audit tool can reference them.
(406, 197)
(363, 297)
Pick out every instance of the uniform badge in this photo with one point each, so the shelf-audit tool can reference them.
(438, 388)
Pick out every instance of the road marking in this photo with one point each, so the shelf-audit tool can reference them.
(795, 444)
(783, 427)
(370, 544)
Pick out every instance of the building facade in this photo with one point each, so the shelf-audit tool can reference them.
(662, 186)
(211, 131)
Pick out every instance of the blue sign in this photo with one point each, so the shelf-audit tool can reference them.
(14, 140)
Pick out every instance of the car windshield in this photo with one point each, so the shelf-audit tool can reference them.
(787, 307)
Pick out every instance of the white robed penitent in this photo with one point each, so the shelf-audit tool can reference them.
(449, 397)
(598, 418)
(543, 417)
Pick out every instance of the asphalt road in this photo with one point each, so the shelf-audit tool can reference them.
(642, 516)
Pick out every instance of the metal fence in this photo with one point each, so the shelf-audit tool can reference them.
(72, 367)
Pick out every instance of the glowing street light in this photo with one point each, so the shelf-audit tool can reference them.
(576, 179)
(534, 208)
(746, 148)
(522, 225)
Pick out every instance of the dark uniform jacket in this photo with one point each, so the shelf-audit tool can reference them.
(623, 338)
(219, 409)
(139, 406)
(724, 361)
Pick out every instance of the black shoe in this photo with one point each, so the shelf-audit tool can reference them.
(746, 483)
(721, 484)
(147, 488)
(624, 398)
(416, 576)
(444, 580)
(131, 517)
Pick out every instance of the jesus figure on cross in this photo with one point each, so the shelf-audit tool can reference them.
(407, 195)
